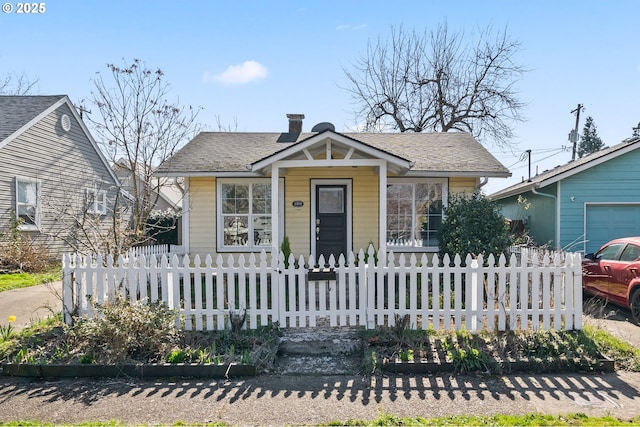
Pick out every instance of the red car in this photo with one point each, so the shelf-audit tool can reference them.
(613, 273)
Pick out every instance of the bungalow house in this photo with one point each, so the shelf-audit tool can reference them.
(328, 192)
(583, 204)
(54, 181)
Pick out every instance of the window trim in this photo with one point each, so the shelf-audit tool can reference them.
(220, 246)
(99, 199)
(413, 181)
(38, 219)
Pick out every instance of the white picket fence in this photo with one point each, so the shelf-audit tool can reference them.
(425, 291)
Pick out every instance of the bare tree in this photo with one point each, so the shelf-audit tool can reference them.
(16, 84)
(438, 82)
(138, 129)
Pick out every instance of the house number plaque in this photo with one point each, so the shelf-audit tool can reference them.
(298, 203)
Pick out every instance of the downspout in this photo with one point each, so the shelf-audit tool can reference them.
(483, 182)
(555, 199)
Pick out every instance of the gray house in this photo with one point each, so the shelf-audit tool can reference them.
(55, 184)
(583, 204)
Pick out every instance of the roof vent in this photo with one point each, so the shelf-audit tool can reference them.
(65, 122)
(321, 127)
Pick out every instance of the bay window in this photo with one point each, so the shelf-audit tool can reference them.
(414, 212)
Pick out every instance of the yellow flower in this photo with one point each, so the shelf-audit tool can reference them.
(12, 319)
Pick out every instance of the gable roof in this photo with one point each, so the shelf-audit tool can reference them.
(20, 112)
(435, 154)
(17, 112)
(561, 172)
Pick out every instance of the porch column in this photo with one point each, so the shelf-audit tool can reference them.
(382, 232)
(275, 213)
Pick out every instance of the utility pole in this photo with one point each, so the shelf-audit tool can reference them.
(573, 136)
(529, 156)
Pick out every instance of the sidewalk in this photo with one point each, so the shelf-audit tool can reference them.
(30, 304)
(288, 400)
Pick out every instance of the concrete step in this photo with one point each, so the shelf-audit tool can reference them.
(320, 342)
(336, 351)
(318, 365)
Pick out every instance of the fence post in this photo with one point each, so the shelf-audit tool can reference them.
(67, 289)
(577, 290)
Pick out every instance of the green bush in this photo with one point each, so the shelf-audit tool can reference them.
(473, 225)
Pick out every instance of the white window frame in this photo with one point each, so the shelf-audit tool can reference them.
(98, 199)
(220, 246)
(411, 247)
(38, 205)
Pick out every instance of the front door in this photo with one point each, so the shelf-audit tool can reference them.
(331, 221)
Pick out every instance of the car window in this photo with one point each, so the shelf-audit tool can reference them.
(610, 252)
(630, 253)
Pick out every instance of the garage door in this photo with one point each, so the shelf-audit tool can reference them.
(607, 222)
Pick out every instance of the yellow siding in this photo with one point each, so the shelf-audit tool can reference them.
(365, 205)
(202, 207)
(202, 216)
(462, 185)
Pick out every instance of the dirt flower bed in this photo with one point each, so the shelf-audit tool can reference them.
(489, 352)
(135, 333)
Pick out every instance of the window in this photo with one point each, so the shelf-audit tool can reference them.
(96, 201)
(414, 212)
(610, 253)
(28, 203)
(245, 214)
(630, 253)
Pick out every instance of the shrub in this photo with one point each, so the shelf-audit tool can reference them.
(473, 225)
(129, 330)
(18, 252)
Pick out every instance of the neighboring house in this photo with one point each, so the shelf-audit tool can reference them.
(165, 195)
(53, 178)
(583, 204)
(328, 192)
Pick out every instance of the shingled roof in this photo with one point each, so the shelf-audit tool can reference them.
(17, 111)
(223, 152)
(558, 173)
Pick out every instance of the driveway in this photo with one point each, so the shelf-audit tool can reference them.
(30, 304)
(613, 319)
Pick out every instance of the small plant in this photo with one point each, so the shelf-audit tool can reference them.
(177, 356)
(406, 355)
(7, 331)
(88, 359)
(285, 248)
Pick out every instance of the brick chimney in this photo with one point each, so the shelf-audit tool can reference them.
(295, 123)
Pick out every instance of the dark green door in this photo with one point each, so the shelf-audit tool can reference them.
(331, 221)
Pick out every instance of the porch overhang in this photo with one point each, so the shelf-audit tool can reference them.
(331, 149)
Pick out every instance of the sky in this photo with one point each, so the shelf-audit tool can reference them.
(249, 63)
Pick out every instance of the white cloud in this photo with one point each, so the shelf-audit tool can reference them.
(246, 72)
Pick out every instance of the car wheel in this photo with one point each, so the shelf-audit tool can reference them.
(634, 303)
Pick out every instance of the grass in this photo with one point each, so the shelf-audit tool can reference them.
(576, 419)
(493, 420)
(23, 280)
(627, 357)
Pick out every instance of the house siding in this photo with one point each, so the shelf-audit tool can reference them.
(297, 220)
(540, 216)
(616, 181)
(202, 216)
(466, 185)
(66, 164)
